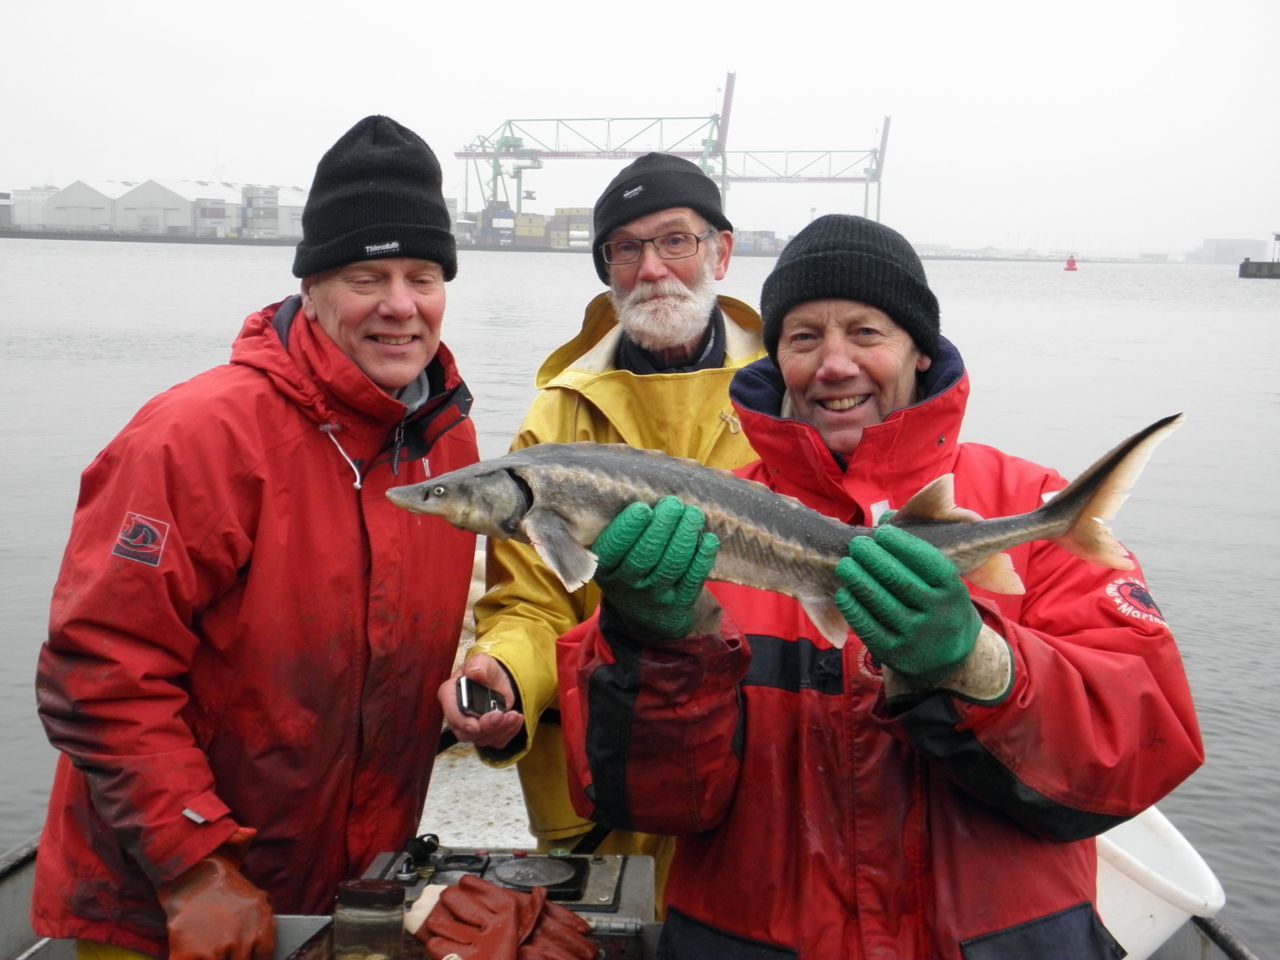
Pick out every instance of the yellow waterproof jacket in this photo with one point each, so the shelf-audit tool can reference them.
(582, 397)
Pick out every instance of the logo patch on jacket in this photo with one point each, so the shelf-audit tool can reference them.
(869, 667)
(1132, 598)
(141, 539)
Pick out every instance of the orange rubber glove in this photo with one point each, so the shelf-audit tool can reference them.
(214, 913)
(477, 920)
(559, 934)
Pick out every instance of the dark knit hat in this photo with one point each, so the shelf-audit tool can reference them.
(656, 181)
(376, 193)
(840, 257)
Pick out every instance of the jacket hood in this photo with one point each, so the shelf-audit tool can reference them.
(908, 449)
(326, 386)
(261, 346)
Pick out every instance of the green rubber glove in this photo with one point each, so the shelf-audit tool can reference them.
(907, 603)
(653, 562)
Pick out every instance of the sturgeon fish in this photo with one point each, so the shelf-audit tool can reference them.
(557, 497)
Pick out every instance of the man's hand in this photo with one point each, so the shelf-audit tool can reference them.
(559, 934)
(907, 603)
(214, 913)
(653, 562)
(477, 920)
(494, 729)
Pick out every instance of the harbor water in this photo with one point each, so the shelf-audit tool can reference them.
(1063, 364)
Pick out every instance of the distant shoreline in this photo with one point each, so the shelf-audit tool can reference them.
(109, 236)
(9, 233)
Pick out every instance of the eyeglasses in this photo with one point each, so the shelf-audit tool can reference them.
(669, 246)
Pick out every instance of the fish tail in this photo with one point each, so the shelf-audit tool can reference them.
(1094, 497)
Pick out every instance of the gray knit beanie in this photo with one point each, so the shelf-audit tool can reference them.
(377, 193)
(841, 257)
(656, 181)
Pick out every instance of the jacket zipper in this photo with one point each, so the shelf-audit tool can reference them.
(395, 449)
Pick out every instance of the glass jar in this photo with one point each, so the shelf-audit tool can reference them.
(368, 920)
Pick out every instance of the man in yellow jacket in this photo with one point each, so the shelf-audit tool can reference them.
(650, 368)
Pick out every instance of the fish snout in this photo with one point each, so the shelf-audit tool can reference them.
(414, 497)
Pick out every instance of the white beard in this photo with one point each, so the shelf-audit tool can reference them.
(678, 319)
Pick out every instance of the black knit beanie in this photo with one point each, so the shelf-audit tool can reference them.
(376, 193)
(840, 257)
(656, 181)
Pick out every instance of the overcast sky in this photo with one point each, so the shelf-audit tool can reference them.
(1103, 126)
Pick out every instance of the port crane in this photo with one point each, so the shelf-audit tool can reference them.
(517, 146)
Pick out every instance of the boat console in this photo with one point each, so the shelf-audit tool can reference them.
(614, 894)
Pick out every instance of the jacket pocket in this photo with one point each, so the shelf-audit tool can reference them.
(1072, 934)
(686, 939)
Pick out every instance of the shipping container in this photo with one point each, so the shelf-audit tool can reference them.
(497, 225)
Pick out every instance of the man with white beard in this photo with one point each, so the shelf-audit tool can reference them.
(650, 368)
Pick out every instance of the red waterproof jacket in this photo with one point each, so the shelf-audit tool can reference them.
(242, 636)
(820, 820)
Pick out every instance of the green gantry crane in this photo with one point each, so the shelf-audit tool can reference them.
(520, 145)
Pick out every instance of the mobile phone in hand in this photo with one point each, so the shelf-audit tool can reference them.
(475, 700)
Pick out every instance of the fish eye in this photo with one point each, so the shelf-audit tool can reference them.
(438, 491)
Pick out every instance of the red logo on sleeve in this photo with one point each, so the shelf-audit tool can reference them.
(1132, 598)
(141, 539)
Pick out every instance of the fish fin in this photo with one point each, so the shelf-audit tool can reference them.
(1089, 537)
(935, 502)
(827, 618)
(549, 535)
(996, 573)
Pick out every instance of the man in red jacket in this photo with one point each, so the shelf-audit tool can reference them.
(246, 637)
(931, 788)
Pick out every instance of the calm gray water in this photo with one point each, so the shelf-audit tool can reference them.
(1064, 365)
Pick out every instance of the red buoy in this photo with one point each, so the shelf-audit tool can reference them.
(1071, 263)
